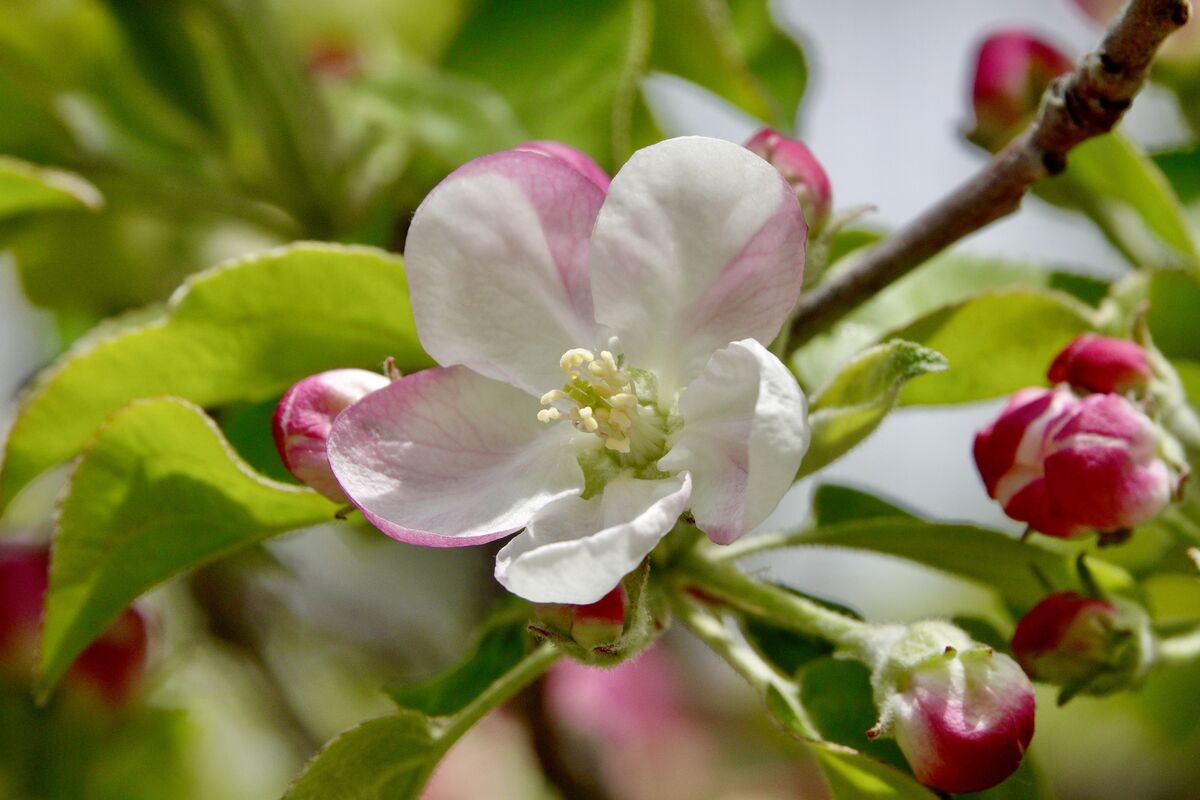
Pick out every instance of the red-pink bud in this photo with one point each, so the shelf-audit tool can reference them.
(964, 719)
(800, 169)
(333, 60)
(1101, 364)
(1067, 638)
(1068, 466)
(305, 416)
(1012, 71)
(590, 626)
(110, 668)
(574, 158)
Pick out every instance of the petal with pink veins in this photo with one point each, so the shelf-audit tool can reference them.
(745, 431)
(446, 457)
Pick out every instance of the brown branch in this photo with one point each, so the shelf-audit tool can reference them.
(1077, 106)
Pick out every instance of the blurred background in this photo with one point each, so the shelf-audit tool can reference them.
(257, 660)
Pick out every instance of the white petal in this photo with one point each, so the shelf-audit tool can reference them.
(576, 551)
(446, 457)
(745, 430)
(496, 259)
(699, 243)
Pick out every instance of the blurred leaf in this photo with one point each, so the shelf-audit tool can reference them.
(1174, 298)
(157, 492)
(787, 650)
(837, 695)
(1182, 168)
(989, 557)
(996, 342)
(388, 758)
(26, 187)
(242, 331)
(853, 404)
(853, 775)
(501, 646)
(1111, 180)
(944, 281)
(984, 632)
(391, 758)
(569, 70)
(833, 504)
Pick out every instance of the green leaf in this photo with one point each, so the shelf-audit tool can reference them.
(157, 492)
(1125, 193)
(853, 775)
(1174, 298)
(243, 331)
(388, 758)
(501, 646)
(837, 695)
(945, 281)
(851, 407)
(992, 558)
(833, 504)
(996, 342)
(391, 758)
(569, 70)
(25, 188)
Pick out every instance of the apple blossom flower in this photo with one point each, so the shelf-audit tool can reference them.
(1102, 364)
(800, 168)
(1068, 466)
(603, 368)
(962, 714)
(1012, 70)
(110, 668)
(305, 416)
(580, 161)
(1068, 639)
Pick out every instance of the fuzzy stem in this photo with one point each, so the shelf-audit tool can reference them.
(1082, 104)
(502, 689)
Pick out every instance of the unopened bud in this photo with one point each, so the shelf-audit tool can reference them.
(589, 626)
(1012, 71)
(800, 169)
(1102, 364)
(1076, 642)
(574, 158)
(962, 714)
(305, 416)
(1068, 466)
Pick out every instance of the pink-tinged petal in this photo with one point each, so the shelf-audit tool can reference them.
(305, 416)
(1008, 453)
(496, 259)
(699, 243)
(745, 431)
(1032, 505)
(576, 158)
(576, 550)
(446, 457)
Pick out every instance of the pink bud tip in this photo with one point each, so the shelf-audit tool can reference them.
(1012, 71)
(1068, 466)
(576, 159)
(333, 60)
(1066, 638)
(800, 169)
(964, 723)
(592, 625)
(1101, 364)
(305, 416)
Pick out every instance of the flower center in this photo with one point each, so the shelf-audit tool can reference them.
(599, 398)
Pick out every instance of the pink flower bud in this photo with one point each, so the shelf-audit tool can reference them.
(577, 159)
(1100, 364)
(110, 668)
(305, 416)
(800, 168)
(1067, 638)
(1068, 466)
(1012, 71)
(963, 719)
(590, 626)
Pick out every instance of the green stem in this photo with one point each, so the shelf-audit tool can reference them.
(762, 677)
(728, 584)
(500, 691)
(1181, 649)
(759, 543)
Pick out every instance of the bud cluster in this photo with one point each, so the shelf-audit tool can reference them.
(1081, 457)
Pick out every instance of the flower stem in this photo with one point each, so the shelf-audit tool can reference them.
(1181, 649)
(737, 590)
(501, 690)
(712, 629)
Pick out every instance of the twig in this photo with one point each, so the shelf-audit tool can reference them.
(1077, 106)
